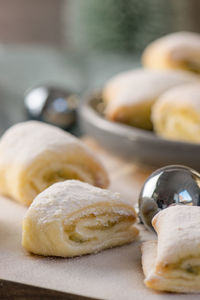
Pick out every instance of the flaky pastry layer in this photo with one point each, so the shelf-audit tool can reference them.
(172, 263)
(34, 155)
(74, 218)
(179, 50)
(176, 114)
(129, 96)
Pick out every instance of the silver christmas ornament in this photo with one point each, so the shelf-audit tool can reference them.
(52, 105)
(171, 185)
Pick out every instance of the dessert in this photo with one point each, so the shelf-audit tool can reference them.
(179, 50)
(73, 218)
(176, 114)
(129, 96)
(34, 155)
(172, 263)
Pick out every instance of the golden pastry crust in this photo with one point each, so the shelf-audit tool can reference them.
(176, 114)
(129, 96)
(73, 218)
(179, 50)
(172, 263)
(34, 155)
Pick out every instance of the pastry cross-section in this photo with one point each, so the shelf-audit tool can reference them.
(176, 114)
(179, 50)
(129, 96)
(172, 263)
(73, 218)
(34, 155)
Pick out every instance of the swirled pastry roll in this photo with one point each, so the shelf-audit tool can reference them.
(34, 155)
(73, 218)
(176, 114)
(173, 262)
(129, 96)
(180, 50)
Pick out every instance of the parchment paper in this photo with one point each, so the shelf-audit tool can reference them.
(112, 274)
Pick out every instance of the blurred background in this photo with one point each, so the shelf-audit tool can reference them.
(78, 44)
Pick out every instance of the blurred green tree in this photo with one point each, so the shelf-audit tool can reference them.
(120, 25)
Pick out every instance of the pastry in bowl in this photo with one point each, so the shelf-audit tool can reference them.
(34, 155)
(73, 218)
(172, 263)
(129, 96)
(176, 114)
(179, 50)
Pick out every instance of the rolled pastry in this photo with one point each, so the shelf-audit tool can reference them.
(34, 155)
(180, 50)
(172, 263)
(129, 96)
(73, 218)
(176, 114)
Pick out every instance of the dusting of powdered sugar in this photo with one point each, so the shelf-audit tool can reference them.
(142, 85)
(179, 45)
(187, 95)
(64, 198)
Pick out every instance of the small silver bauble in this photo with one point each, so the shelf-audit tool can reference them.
(171, 185)
(52, 105)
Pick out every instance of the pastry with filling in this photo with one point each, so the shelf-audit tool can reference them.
(179, 50)
(172, 263)
(73, 218)
(176, 114)
(34, 155)
(129, 96)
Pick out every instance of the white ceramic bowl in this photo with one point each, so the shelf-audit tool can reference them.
(132, 143)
